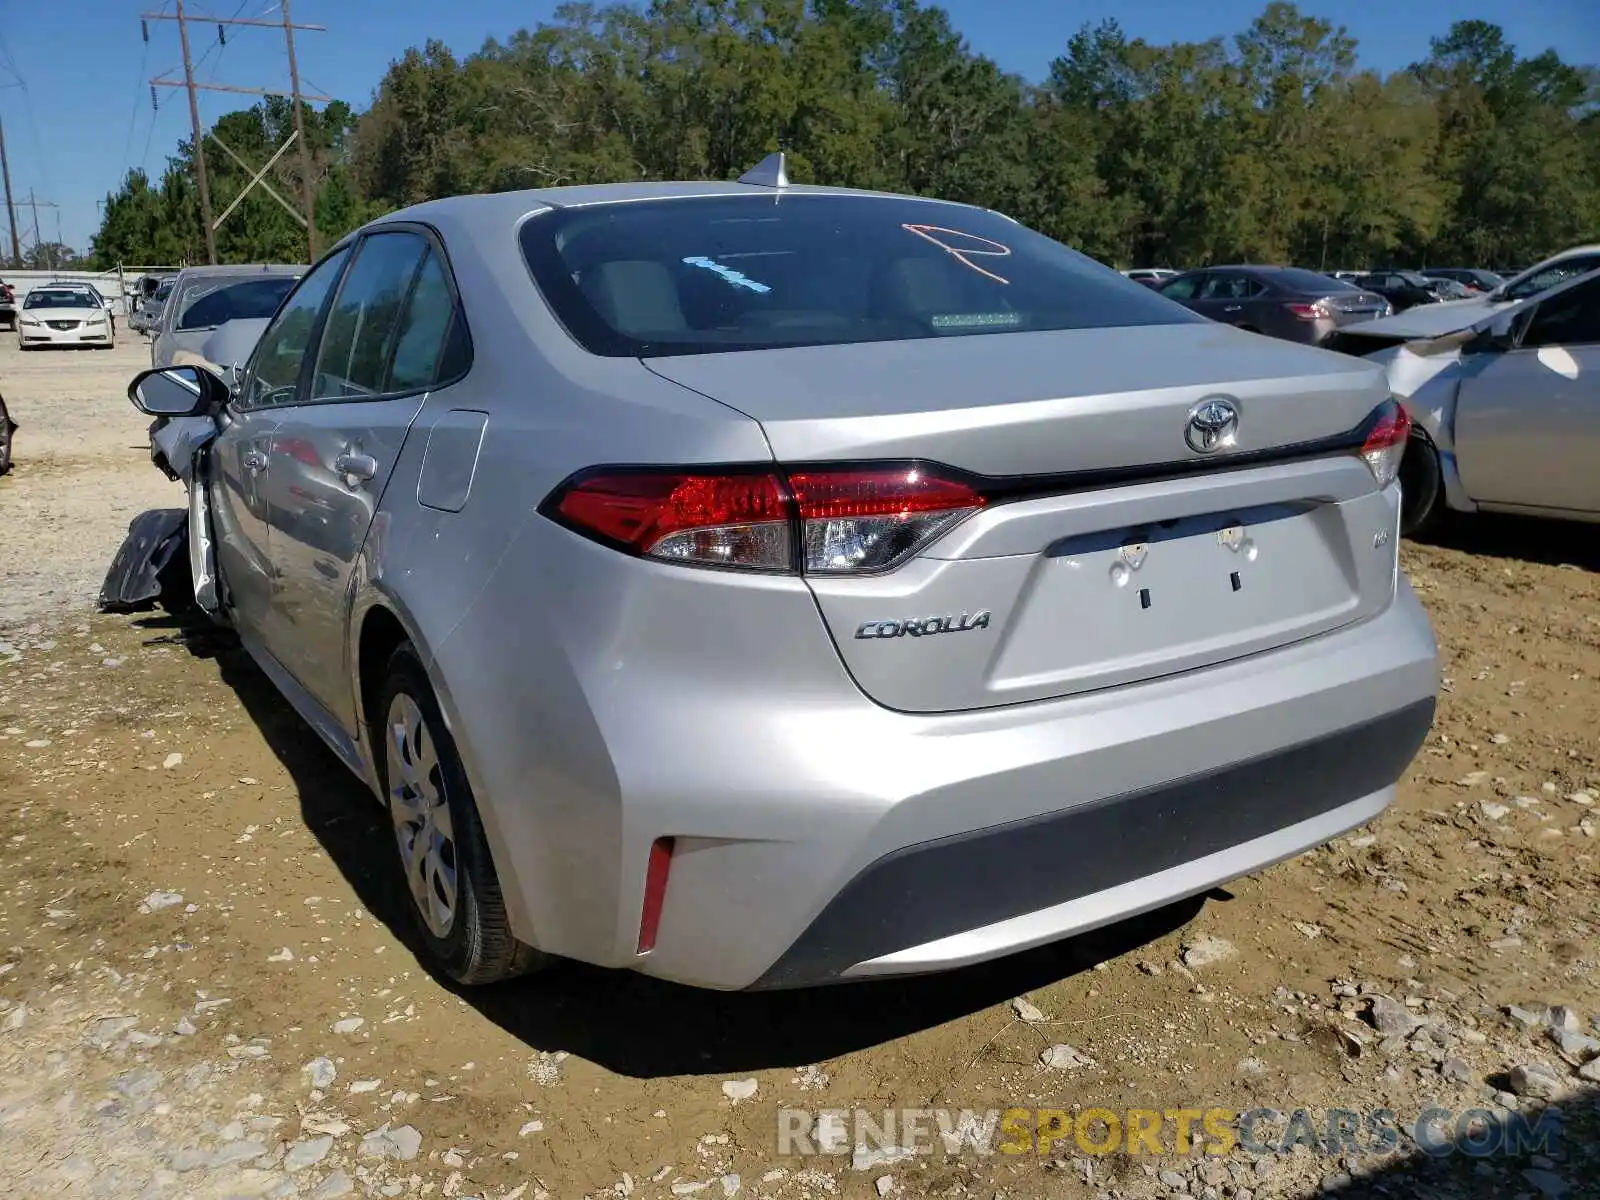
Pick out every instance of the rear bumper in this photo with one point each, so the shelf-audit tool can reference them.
(819, 836)
(1001, 889)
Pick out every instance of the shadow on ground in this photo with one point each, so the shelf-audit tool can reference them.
(1527, 539)
(598, 1014)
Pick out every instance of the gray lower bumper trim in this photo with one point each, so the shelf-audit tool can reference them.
(921, 893)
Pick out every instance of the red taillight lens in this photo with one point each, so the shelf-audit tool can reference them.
(853, 519)
(1386, 444)
(729, 520)
(1309, 312)
(869, 519)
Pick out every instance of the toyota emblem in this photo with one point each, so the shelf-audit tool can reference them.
(1213, 426)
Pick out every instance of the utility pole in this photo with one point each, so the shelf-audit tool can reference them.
(307, 184)
(295, 96)
(199, 139)
(11, 208)
(36, 204)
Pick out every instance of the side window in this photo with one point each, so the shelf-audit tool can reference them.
(361, 325)
(1570, 319)
(281, 353)
(420, 342)
(1229, 286)
(1182, 288)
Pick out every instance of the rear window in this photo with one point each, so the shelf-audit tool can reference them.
(1309, 281)
(211, 302)
(705, 275)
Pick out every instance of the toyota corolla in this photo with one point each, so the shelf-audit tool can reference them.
(759, 585)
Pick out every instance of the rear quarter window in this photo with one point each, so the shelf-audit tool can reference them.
(713, 274)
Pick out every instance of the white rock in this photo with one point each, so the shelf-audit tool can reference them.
(337, 1184)
(156, 901)
(348, 1024)
(172, 760)
(284, 955)
(362, 1086)
(399, 1144)
(15, 1019)
(730, 1185)
(688, 1187)
(739, 1089)
(530, 1128)
(1203, 950)
(884, 1184)
(37, 743)
(1586, 799)
(307, 1153)
(321, 1071)
(1492, 810)
(1062, 1057)
(1026, 1011)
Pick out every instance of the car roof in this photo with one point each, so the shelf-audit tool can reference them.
(505, 209)
(238, 270)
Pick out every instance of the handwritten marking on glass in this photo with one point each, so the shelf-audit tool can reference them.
(961, 252)
(737, 278)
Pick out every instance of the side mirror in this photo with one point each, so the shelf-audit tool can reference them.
(177, 392)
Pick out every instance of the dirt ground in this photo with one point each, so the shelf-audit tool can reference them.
(207, 990)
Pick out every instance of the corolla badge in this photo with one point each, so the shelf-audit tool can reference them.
(1213, 425)
(924, 626)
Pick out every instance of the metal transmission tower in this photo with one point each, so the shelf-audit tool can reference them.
(306, 215)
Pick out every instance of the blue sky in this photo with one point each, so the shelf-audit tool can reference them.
(84, 116)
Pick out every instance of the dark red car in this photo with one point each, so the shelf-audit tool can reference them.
(8, 306)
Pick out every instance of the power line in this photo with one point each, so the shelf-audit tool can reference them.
(184, 20)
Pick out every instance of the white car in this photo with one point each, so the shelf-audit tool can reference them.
(60, 316)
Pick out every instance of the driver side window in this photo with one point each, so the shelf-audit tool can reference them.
(276, 368)
(1570, 319)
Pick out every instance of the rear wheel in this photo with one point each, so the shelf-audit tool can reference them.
(456, 903)
(1421, 487)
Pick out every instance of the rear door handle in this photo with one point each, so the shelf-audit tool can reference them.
(1234, 308)
(254, 460)
(356, 467)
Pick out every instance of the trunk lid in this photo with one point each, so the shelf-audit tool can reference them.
(1350, 307)
(1081, 583)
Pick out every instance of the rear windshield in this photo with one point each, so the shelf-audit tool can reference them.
(1309, 281)
(704, 275)
(210, 302)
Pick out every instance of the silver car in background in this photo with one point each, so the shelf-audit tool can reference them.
(203, 299)
(1506, 407)
(758, 585)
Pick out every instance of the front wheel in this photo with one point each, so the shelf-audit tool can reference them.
(6, 430)
(456, 903)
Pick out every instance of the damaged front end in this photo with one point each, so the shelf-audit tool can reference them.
(168, 556)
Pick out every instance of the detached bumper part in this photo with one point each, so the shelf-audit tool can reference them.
(154, 540)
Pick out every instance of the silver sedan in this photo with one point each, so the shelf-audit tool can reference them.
(1506, 408)
(760, 585)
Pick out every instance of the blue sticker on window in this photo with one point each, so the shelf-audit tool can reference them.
(737, 278)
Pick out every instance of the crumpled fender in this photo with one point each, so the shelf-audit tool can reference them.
(1426, 377)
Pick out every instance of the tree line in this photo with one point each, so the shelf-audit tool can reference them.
(1270, 146)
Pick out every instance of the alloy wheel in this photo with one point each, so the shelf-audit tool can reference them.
(420, 809)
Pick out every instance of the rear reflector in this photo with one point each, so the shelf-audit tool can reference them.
(655, 892)
(1386, 444)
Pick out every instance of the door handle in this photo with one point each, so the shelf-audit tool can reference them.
(253, 460)
(1234, 308)
(355, 468)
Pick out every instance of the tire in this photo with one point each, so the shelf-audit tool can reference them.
(467, 936)
(6, 430)
(1422, 506)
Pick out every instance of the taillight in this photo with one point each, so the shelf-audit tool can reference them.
(1386, 443)
(1309, 312)
(822, 520)
(867, 519)
(726, 520)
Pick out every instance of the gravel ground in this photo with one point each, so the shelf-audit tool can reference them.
(207, 990)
